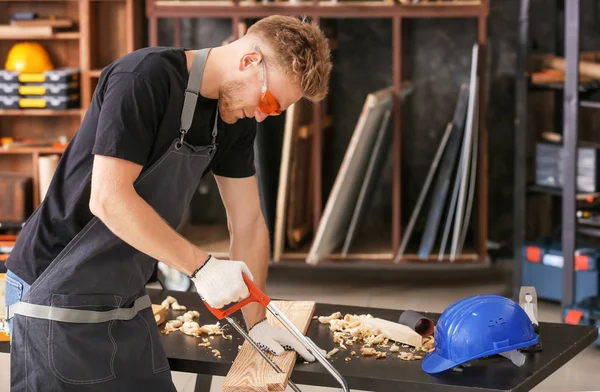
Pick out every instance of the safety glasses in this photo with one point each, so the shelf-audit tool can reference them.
(267, 104)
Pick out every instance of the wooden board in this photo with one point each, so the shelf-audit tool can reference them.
(284, 171)
(376, 165)
(160, 313)
(300, 205)
(338, 210)
(395, 331)
(250, 372)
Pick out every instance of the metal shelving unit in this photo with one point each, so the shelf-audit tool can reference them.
(572, 89)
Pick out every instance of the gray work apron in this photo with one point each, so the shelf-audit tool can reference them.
(86, 323)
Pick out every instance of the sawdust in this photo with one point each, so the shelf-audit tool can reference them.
(188, 323)
(350, 330)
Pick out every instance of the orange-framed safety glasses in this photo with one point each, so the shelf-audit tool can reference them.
(267, 104)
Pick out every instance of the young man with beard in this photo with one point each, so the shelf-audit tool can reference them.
(159, 120)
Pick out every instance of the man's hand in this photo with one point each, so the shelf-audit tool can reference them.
(275, 340)
(220, 282)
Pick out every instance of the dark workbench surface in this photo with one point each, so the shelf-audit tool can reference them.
(561, 343)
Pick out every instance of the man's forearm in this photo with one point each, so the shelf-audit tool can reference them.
(133, 220)
(251, 245)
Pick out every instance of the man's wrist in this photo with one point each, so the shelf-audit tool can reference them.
(195, 272)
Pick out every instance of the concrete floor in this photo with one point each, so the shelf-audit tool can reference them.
(430, 292)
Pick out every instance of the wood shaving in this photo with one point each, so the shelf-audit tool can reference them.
(353, 353)
(172, 326)
(205, 344)
(332, 352)
(191, 328)
(406, 356)
(212, 329)
(327, 319)
(367, 351)
(172, 303)
(347, 359)
(350, 330)
(189, 316)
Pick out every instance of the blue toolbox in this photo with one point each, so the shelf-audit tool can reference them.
(542, 268)
(586, 312)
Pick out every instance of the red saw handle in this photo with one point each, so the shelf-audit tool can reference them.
(256, 295)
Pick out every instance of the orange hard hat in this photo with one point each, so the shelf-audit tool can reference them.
(28, 57)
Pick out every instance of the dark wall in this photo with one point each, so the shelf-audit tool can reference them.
(437, 56)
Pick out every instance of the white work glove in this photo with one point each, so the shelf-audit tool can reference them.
(220, 282)
(275, 340)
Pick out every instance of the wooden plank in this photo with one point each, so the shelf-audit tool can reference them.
(395, 331)
(299, 222)
(337, 214)
(250, 372)
(279, 240)
(375, 168)
(160, 313)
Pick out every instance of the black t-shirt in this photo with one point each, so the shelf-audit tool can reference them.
(134, 114)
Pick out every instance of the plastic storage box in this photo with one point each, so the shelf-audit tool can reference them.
(542, 268)
(586, 312)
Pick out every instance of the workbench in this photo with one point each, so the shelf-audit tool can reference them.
(561, 343)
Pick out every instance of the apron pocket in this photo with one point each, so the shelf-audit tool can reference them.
(81, 353)
(159, 356)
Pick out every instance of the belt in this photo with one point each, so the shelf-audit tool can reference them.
(76, 315)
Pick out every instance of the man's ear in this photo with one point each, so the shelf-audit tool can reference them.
(250, 59)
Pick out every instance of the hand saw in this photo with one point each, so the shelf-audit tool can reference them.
(257, 295)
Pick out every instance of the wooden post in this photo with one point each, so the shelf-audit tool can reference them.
(85, 55)
(317, 157)
(482, 170)
(397, 135)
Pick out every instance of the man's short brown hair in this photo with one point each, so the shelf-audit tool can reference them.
(301, 50)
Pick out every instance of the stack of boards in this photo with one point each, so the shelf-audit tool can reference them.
(358, 175)
(353, 188)
(459, 142)
(57, 89)
(356, 181)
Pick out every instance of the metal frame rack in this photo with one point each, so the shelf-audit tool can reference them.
(570, 106)
(322, 9)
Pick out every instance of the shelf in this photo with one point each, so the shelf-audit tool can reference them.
(39, 112)
(591, 231)
(95, 73)
(69, 35)
(360, 9)
(558, 192)
(590, 104)
(31, 150)
(584, 87)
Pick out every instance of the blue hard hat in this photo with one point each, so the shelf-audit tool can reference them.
(477, 327)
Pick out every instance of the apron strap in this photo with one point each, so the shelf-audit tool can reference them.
(76, 315)
(192, 91)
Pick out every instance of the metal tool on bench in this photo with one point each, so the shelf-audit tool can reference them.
(257, 295)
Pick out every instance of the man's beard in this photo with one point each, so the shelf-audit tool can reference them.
(228, 97)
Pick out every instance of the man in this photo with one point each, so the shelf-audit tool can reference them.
(160, 119)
